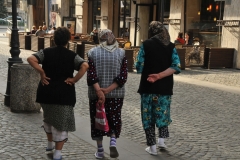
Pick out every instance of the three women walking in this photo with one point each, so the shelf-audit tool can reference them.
(106, 69)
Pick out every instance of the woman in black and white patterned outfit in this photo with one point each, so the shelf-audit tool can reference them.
(106, 77)
(56, 90)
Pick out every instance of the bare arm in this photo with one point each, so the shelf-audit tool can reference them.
(100, 94)
(154, 77)
(33, 61)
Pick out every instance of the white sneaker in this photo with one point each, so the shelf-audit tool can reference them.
(161, 146)
(148, 149)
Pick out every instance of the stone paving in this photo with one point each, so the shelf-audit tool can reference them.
(22, 138)
(205, 120)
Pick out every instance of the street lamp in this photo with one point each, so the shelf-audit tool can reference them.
(14, 51)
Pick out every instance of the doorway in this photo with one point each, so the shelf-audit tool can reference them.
(142, 21)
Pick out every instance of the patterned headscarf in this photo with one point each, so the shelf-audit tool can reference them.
(158, 31)
(107, 40)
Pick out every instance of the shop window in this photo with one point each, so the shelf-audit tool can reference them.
(96, 12)
(201, 22)
(72, 4)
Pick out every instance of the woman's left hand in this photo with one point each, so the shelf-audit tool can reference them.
(70, 81)
(105, 90)
(44, 79)
(153, 78)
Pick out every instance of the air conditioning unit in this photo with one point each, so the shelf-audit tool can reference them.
(54, 7)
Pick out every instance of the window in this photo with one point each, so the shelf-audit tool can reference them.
(72, 4)
(96, 12)
(125, 11)
(202, 21)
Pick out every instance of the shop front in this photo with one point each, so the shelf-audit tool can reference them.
(207, 20)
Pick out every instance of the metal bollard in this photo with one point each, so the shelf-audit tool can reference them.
(24, 83)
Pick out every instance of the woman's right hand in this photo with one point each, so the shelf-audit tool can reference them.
(101, 97)
(44, 79)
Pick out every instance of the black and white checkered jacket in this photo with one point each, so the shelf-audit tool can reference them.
(108, 66)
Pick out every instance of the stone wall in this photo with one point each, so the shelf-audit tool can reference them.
(230, 35)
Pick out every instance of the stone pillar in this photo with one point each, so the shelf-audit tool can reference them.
(79, 12)
(230, 35)
(143, 14)
(116, 18)
(46, 13)
(59, 15)
(110, 14)
(30, 17)
(104, 12)
(24, 83)
(176, 12)
(85, 16)
(132, 25)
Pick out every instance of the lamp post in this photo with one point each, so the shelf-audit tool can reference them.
(14, 51)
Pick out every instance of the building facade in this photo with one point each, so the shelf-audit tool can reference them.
(208, 20)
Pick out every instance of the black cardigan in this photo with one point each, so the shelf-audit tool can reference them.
(58, 65)
(158, 58)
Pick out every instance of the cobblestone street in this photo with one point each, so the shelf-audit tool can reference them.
(205, 120)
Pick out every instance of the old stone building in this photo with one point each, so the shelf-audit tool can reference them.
(214, 23)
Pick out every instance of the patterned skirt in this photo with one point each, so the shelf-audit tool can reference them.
(60, 117)
(113, 107)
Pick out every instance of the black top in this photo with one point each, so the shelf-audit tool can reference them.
(158, 58)
(58, 64)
